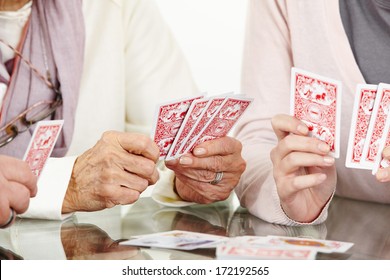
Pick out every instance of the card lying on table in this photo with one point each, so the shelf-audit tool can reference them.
(316, 100)
(176, 239)
(325, 246)
(42, 143)
(232, 252)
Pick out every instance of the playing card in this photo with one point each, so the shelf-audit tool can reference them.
(325, 246)
(362, 110)
(264, 252)
(41, 144)
(223, 120)
(169, 118)
(176, 239)
(193, 115)
(377, 125)
(316, 100)
(381, 162)
(209, 111)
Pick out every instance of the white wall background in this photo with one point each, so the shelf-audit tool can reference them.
(211, 34)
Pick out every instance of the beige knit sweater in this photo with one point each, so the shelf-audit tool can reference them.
(309, 35)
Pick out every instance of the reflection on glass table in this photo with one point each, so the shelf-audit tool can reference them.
(97, 235)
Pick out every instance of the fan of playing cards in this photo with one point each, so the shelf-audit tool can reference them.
(369, 133)
(316, 100)
(183, 124)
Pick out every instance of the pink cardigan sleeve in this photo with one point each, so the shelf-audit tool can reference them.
(267, 62)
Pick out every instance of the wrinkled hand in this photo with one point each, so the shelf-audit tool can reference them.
(195, 171)
(115, 171)
(89, 242)
(305, 175)
(17, 185)
(383, 175)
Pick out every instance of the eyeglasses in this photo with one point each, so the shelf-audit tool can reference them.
(35, 113)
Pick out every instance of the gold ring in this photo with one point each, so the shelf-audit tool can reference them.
(10, 220)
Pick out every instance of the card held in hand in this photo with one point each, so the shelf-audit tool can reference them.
(223, 120)
(361, 115)
(169, 118)
(316, 100)
(42, 143)
(375, 133)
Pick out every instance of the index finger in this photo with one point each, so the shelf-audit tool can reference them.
(18, 171)
(222, 146)
(139, 144)
(283, 125)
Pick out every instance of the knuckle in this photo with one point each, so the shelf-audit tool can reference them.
(239, 146)
(242, 165)
(144, 142)
(24, 200)
(153, 180)
(142, 184)
(131, 197)
(107, 175)
(207, 175)
(216, 164)
(149, 169)
(107, 135)
(289, 160)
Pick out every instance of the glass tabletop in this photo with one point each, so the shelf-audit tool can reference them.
(98, 235)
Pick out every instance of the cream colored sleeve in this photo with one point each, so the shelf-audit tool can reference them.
(52, 186)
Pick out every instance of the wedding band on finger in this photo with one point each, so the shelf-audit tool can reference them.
(217, 179)
(11, 219)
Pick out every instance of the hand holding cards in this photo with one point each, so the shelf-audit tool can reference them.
(182, 125)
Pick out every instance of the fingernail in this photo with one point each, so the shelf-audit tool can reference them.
(323, 147)
(302, 129)
(199, 151)
(382, 175)
(185, 160)
(329, 160)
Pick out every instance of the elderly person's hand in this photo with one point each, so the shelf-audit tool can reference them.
(210, 172)
(304, 174)
(115, 171)
(17, 185)
(383, 174)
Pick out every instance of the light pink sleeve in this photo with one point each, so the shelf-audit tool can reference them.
(267, 63)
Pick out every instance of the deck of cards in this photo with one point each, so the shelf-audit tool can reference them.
(183, 124)
(369, 133)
